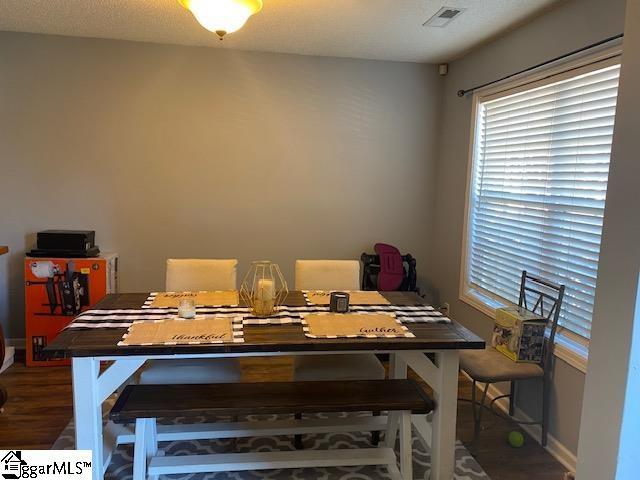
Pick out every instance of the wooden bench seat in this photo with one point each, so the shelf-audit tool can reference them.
(154, 401)
(143, 404)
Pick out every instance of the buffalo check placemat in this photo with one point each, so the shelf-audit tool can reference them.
(196, 331)
(356, 297)
(353, 325)
(203, 299)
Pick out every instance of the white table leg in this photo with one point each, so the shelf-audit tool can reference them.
(139, 450)
(392, 430)
(406, 449)
(397, 369)
(394, 472)
(397, 366)
(151, 437)
(443, 439)
(145, 446)
(87, 410)
(401, 421)
(90, 389)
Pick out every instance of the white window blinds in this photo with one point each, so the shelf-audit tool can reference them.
(541, 162)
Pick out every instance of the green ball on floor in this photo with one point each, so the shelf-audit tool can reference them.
(516, 439)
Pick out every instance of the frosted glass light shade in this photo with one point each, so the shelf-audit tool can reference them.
(222, 16)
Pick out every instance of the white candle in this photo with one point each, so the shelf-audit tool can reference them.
(264, 297)
(265, 289)
(187, 307)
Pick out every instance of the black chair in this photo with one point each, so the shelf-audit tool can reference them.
(490, 366)
(371, 268)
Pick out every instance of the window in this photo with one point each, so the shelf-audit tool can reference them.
(540, 162)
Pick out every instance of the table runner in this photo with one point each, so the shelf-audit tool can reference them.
(123, 318)
(286, 315)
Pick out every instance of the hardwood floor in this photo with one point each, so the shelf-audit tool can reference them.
(40, 406)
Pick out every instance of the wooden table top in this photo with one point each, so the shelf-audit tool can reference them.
(4, 250)
(263, 338)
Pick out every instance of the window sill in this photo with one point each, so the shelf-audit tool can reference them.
(567, 347)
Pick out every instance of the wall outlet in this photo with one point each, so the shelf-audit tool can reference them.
(444, 308)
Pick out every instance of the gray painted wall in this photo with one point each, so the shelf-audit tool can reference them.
(192, 152)
(571, 25)
(613, 370)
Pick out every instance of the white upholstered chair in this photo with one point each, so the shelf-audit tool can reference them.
(327, 275)
(191, 275)
(333, 275)
(185, 275)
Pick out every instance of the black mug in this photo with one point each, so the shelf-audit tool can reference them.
(339, 302)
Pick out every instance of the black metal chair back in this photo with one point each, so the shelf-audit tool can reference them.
(543, 298)
(371, 268)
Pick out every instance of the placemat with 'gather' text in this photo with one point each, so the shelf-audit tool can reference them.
(352, 325)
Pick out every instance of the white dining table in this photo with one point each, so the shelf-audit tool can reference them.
(100, 368)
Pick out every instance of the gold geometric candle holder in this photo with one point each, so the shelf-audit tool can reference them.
(263, 288)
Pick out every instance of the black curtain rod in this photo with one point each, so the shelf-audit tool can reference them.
(462, 93)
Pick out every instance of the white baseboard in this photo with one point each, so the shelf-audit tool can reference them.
(561, 453)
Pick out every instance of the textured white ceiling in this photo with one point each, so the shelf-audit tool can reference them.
(375, 29)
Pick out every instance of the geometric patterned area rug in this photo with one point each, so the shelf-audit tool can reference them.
(122, 461)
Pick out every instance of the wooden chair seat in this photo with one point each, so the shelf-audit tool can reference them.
(491, 366)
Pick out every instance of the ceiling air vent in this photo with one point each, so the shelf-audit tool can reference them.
(443, 17)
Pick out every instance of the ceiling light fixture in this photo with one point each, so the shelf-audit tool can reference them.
(222, 16)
